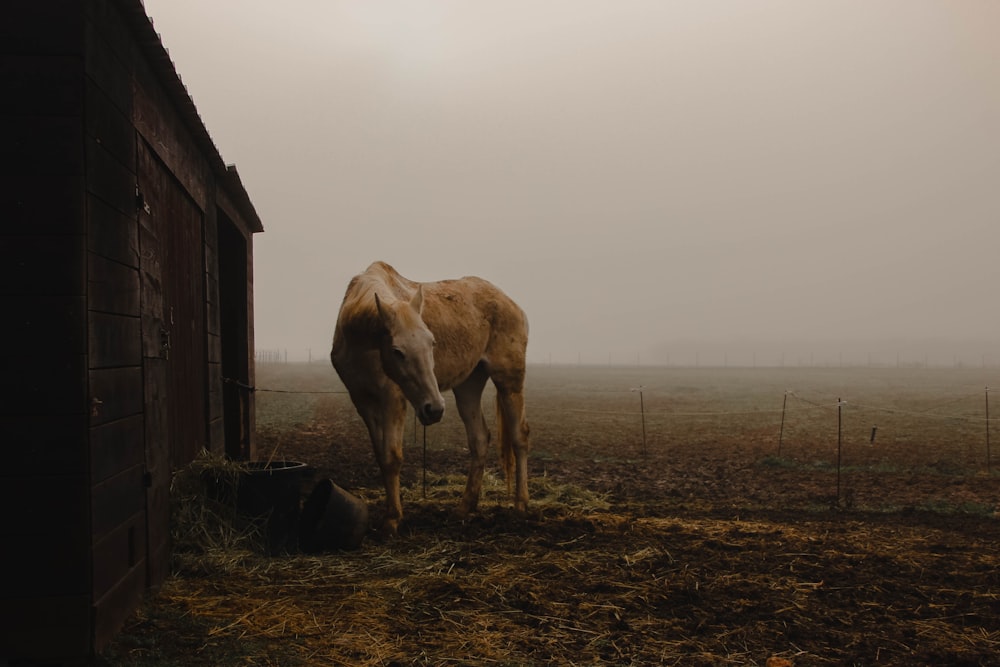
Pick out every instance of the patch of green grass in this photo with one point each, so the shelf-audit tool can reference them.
(949, 508)
(543, 490)
(779, 462)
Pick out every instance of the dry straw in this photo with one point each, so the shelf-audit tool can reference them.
(204, 519)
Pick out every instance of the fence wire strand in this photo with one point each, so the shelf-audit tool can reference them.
(703, 413)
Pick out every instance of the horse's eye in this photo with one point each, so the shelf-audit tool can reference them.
(398, 353)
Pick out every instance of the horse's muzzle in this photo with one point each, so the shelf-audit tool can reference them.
(430, 414)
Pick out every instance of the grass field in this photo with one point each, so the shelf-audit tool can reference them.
(728, 535)
(930, 426)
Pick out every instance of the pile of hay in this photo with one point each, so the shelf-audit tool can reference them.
(205, 524)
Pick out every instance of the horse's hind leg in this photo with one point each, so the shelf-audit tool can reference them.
(515, 436)
(468, 400)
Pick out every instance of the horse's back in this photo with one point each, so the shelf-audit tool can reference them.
(473, 302)
(475, 321)
(472, 320)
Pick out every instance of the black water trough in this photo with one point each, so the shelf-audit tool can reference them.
(270, 492)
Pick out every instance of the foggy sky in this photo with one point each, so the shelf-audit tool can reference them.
(655, 181)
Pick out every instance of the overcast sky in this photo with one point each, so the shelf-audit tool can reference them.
(649, 180)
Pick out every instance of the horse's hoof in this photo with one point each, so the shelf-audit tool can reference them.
(461, 514)
(528, 512)
(466, 509)
(388, 531)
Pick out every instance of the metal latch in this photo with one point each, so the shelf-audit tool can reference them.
(165, 343)
(140, 201)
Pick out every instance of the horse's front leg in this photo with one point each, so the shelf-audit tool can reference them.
(468, 400)
(385, 426)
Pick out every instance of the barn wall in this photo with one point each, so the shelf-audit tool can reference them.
(112, 194)
(179, 185)
(171, 182)
(213, 347)
(43, 271)
(117, 461)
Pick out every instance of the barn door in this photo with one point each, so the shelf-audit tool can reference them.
(234, 330)
(173, 332)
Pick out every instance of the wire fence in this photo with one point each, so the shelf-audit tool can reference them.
(284, 355)
(962, 424)
(899, 421)
(884, 360)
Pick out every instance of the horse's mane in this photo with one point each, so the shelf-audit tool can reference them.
(358, 313)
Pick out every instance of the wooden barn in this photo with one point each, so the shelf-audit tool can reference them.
(126, 273)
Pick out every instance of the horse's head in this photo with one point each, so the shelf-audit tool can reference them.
(408, 356)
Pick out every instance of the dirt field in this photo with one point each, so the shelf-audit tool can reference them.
(726, 535)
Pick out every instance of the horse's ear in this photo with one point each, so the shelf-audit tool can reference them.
(417, 302)
(385, 314)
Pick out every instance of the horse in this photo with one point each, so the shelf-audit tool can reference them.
(399, 341)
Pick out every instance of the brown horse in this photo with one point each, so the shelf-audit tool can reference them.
(398, 340)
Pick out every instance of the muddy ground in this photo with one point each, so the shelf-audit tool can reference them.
(700, 546)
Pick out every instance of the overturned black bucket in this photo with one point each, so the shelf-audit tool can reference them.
(269, 493)
(332, 519)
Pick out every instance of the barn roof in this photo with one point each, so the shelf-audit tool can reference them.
(152, 47)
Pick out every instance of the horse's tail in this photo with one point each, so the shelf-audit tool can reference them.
(506, 447)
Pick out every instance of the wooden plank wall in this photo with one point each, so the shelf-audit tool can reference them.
(216, 389)
(158, 123)
(117, 460)
(82, 277)
(43, 267)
